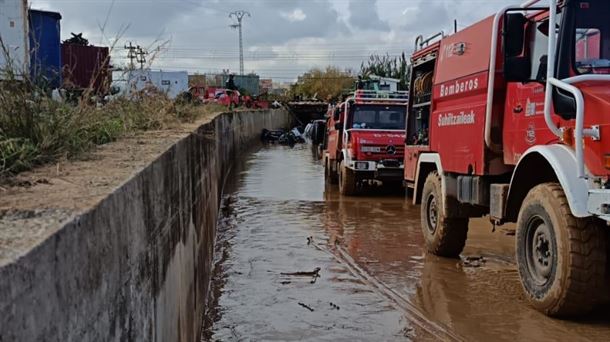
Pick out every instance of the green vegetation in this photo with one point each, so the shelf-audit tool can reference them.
(387, 66)
(35, 129)
(326, 85)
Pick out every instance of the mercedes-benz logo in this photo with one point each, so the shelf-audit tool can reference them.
(391, 149)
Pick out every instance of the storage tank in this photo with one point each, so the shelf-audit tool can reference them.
(14, 32)
(45, 48)
(85, 66)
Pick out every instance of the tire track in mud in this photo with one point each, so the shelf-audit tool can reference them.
(413, 314)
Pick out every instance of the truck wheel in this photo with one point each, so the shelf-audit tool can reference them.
(347, 180)
(329, 175)
(444, 236)
(561, 259)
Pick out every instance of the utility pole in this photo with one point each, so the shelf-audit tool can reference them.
(239, 15)
(131, 54)
(141, 57)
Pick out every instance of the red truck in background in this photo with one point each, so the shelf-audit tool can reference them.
(226, 97)
(221, 96)
(255, 102)
(510, 121)
(198, 92)
(365, 140)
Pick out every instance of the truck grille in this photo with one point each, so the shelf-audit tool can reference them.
(389, 151)
(380, 153)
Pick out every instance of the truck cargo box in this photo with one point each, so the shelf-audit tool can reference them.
(45, 48)
(86, 66)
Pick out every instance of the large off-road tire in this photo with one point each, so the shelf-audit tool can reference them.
(561, 259)
(329, 175)
(444, 236)
(347, 181)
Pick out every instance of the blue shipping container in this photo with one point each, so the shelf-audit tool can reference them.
(45, 48)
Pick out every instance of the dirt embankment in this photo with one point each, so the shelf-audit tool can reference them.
(34, 204)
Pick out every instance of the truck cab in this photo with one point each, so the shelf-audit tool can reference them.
(365, 140)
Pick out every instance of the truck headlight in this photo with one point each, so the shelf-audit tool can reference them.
(362, 166)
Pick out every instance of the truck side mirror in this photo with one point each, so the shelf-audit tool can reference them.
(564, 104)
(338, 126)
(517, 64)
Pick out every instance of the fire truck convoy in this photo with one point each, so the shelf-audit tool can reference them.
(365, 140)
(510, 118)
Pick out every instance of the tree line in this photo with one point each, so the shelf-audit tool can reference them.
(331, 83)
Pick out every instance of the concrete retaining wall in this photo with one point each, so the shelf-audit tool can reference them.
(137, 266)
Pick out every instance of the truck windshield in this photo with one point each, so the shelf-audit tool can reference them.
(378, 117)
(592, 43)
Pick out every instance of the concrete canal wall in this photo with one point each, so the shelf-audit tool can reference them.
(135, 267)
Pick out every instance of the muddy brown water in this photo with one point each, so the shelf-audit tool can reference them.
(376, 283)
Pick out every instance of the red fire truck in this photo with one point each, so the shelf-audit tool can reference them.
(365, 140)
(510, 118)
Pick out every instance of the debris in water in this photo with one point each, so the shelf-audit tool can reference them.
(473, 261)
(271, 136)
(286, 282)
(408, 332)
(306, 306)
(314, 273)
(291, 138)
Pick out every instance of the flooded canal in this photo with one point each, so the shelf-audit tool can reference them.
(296, 261)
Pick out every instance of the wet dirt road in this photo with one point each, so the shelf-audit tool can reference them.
(280, 224)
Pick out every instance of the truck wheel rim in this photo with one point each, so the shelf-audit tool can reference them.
(539, 251)
(432, 213)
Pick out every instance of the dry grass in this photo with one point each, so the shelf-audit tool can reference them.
(35, 129)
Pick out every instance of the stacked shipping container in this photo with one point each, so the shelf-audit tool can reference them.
(86, 66)
(32, 45)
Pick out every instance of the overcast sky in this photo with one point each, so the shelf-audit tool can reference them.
(282, 38)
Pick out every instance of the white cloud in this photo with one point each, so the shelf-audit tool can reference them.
(282, 39)
(294, 16)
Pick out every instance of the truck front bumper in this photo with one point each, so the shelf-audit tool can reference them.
(388, 170)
